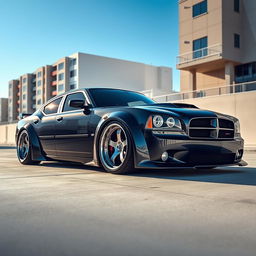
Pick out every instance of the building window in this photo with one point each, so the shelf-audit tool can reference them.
(237, 5)
(39, 102)
(200, 47)
(38, 92)
(24, 88)
(39, 82)
(73, 73)
(254, 69)
(61, 76)
(245, 73)
(60, 87)
(24, 80)
(72, 86)
(237, 41)
(200, 8)
(39, 74)
(72, 62)
(61, 66)
(24, 96)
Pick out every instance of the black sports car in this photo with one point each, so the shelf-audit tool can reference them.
(121, 130)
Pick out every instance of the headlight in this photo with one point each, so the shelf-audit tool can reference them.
(158, 121)
(163, 123)
(237, 127)
(170, 122)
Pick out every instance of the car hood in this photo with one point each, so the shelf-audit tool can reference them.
(176, 111)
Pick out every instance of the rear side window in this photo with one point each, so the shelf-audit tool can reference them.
(73, 96)
(52, 107)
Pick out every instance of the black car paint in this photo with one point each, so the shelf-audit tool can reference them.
(73, 136)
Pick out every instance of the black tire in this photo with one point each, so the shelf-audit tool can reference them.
(23, 145)
(122, 149)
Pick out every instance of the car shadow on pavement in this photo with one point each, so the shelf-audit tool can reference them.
(227, 175)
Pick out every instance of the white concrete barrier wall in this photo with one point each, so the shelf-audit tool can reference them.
(7, 134)
(240, 105)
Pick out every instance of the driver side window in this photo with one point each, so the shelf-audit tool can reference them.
(73, 96)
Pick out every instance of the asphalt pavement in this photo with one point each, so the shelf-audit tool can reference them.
(64, 209)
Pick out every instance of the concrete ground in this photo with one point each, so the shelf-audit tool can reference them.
(64, 209)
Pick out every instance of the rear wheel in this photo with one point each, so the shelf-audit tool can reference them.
(24, 149)
(115, 149)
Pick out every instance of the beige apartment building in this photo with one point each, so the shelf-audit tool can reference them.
(79, 70)
(217, 42)
(3, 108)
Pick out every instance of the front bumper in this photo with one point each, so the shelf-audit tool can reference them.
(184, 152)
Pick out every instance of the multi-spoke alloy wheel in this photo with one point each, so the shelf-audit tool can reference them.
(23, 146)
(24, 149)
(114, 149)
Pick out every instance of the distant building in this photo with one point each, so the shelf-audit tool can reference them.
(79, 70)
(3, 110)
(217, 42)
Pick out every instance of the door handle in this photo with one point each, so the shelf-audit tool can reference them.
(60, 118)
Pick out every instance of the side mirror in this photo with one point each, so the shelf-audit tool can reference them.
(24, 115)
(77, 103)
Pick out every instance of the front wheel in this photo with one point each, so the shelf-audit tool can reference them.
(115, 149)
(24, 149)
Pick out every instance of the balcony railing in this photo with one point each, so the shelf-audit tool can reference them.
(54, 83)
(217, 91)
(214, 50)
(54, 73)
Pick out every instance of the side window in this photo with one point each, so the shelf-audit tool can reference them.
(73, 96)
(52, 107)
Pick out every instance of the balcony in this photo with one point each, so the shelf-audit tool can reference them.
(18, 94)
(54, 83)
(54, 73)
(201, 56)
(54, 93)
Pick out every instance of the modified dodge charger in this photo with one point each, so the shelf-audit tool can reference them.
(123, 130)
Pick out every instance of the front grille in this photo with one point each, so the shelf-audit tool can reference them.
(211, 128)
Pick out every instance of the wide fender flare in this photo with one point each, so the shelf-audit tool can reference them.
(140, 149)
(36, 150)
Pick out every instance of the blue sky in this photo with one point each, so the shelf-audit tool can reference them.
(38, 32)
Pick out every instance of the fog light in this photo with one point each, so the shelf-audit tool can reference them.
(164, 156)
(239, 154)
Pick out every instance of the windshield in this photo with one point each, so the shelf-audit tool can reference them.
(112, 97)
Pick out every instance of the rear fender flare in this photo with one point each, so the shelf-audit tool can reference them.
(36, 150)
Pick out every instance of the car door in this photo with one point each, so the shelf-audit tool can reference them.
(45, 127)
(73, 139)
